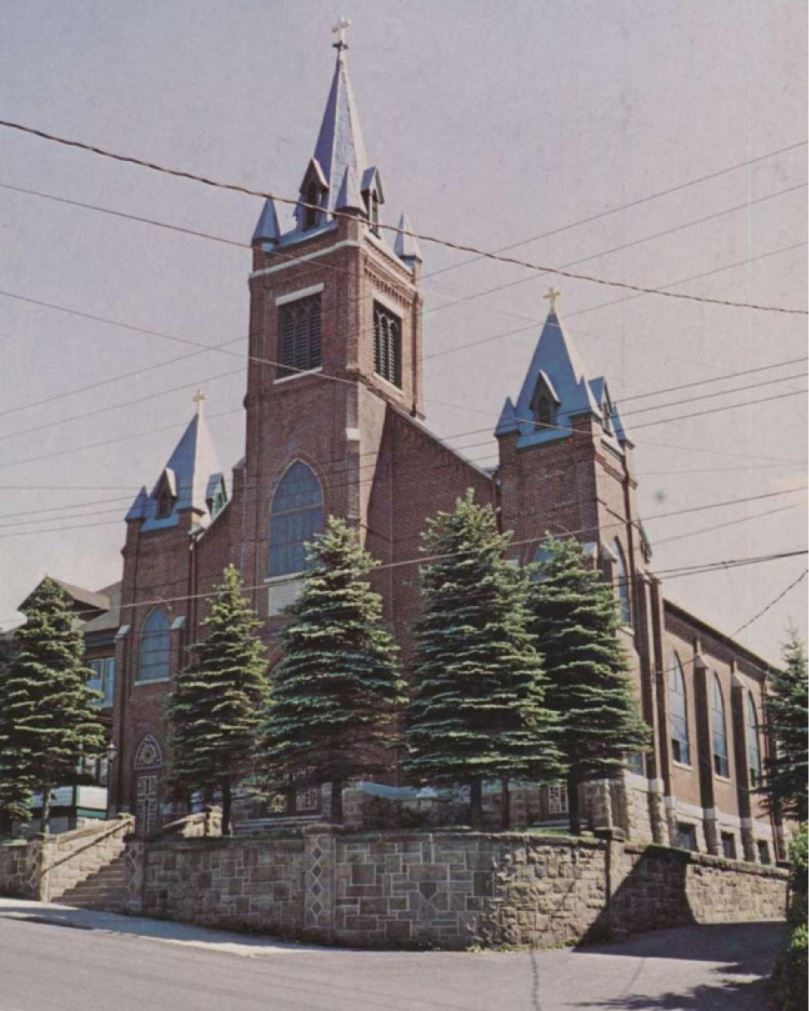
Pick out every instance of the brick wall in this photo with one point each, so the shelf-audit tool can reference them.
(450, 889)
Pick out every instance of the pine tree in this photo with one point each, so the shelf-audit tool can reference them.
(16, 781)
(50, 721)
(215, 707)
(477, 712)
(786, 705)
(575, 621)
(337, 688)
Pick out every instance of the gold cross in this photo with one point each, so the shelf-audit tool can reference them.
(340, 29)
(552, 295)
(199, 399)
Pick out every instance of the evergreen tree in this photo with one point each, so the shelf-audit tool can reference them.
(477, 712)
(215, 707)
(786, 708)
(16, 782)
(49, 720)
(575, 621)
(336, 690)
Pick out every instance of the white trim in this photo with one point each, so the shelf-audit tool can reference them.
(297, 375)
(150, 681)
(346, 243)
(293, 296)
(353, 435)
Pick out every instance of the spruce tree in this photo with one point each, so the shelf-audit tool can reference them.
(215, 707)
(50, 722)
(337, 688)
(16, 781)
(477, 712)
(574, 618)
(786, 707)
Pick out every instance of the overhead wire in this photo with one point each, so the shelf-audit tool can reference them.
(423, 237)
(293, 256)
(626, 206)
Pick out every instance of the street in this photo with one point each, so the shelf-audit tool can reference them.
(53, 958)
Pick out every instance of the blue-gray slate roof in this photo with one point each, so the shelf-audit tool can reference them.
(193, 470)
(556, 363)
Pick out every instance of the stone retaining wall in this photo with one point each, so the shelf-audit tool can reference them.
(449, 889)
(45, 867)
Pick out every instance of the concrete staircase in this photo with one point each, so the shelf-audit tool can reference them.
(105, 889)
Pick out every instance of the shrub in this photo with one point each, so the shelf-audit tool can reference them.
(789, 977)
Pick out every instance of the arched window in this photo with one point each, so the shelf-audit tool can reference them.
(154, 660)
(295, 517)
(544, 405)
(311, 217)
(678, 712)
(719, 735)
(622, 587)
(753, 749)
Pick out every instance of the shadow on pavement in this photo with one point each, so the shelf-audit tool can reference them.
(161, 930)
(734, 943)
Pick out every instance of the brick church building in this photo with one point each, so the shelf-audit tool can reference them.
(335, 425)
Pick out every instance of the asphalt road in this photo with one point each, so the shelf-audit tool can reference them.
(56, 959)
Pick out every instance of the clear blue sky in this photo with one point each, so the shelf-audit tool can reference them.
(491, 122)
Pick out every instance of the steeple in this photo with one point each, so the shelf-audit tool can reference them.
(340, 155)
(192, 480)
(555, 390)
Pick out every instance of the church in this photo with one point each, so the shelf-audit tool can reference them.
(335, 424)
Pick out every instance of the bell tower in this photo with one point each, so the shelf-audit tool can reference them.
(335, 328)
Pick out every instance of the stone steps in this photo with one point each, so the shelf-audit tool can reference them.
(106, 889)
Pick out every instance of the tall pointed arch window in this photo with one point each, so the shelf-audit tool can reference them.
(296, 515)
(752, 741)
(154, 657)
(678, 711)
(622, 587)
(719, 732)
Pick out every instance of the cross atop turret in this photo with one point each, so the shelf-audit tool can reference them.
(552, 295)
(340, 29)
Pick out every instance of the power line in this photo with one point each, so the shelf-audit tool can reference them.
(435, 240)
(717, 410)
(632, 203)
(264, 361)
(716, 379)
(330, 267)
(618, 249)
(603, 305)
(772, 603)
(727, 523)
(716, 393)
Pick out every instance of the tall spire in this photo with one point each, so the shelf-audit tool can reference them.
(340, 145)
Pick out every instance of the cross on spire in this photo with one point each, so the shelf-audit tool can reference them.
(552, 295)
(199, 399)
(340, 30)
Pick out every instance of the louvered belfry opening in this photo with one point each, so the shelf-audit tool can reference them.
(299, 336)
(387, 345)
